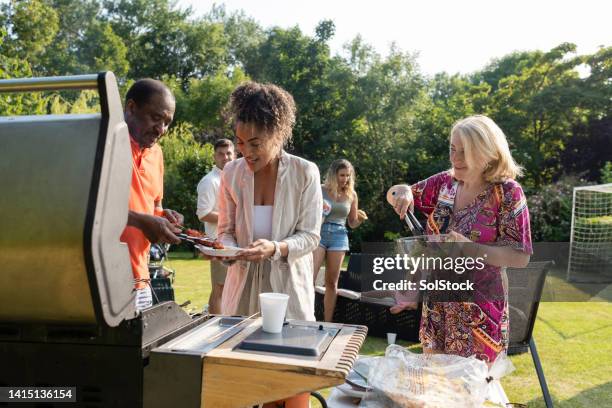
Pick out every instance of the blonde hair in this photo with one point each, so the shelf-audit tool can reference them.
(484, 142)
(331, 178)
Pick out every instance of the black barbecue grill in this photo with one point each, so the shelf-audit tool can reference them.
(67, 314)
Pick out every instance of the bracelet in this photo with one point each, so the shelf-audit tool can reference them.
(277, 251)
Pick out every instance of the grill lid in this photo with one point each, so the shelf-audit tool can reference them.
(65, 183)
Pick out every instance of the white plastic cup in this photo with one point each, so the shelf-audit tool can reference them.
(391, 338)
(273, 309)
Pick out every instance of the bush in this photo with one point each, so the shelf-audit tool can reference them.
(593, 229)
(550, 210)
(606, 173)
(186, 162)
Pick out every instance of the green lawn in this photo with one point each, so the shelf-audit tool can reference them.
(574, 341)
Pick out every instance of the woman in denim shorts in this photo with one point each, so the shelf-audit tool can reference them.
(339, 207)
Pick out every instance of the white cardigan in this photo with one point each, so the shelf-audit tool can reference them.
(296, 220)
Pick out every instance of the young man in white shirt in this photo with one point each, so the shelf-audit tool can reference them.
(207, 211)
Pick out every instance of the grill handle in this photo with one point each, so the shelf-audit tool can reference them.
(50, 83)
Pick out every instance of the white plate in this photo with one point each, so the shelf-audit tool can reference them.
(227, 251)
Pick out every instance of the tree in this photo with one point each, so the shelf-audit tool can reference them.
(30, 26)
(63, 37)
(597, 86)
(243, 35)
(449, 99)
(319, 84)
(378, 112)
(381, 107)
(17, 103)
(500, 68)
(203, 104)
(590, 145)
(588, 148)
(162, 41)
(102, 50)
(536, 109)
(185, 163)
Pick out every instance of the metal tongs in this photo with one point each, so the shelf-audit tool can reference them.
(193, 240)
(413, 224)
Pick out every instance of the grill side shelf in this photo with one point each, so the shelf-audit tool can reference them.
(229, 368)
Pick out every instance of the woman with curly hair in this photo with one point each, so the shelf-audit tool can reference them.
(340, 207)
(269, 204)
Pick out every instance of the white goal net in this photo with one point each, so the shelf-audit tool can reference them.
(590, 257)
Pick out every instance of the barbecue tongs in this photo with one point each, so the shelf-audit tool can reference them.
(194, 240)
(415, 226)
(413, 223)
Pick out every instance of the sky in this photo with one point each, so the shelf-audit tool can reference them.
(452, 36)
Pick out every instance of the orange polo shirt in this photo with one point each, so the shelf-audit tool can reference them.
(147, 188)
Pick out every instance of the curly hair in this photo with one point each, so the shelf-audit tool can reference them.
(267, 106)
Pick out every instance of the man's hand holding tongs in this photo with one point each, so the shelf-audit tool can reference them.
(156, 229)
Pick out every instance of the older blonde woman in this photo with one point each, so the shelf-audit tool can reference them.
(478, 201)
(340, 205)
(269, 203)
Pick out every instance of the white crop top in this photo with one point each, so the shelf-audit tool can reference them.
(262, 222)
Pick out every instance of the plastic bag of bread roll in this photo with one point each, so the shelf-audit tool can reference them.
(408, 380)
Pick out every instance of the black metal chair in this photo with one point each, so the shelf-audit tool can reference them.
(161, 276)
(376, 317)
(524, 294)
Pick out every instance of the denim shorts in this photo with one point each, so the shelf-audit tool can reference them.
(334, 237)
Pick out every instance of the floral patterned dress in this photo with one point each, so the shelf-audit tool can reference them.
(497, 216)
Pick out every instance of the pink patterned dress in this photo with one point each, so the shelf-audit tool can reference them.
(497, 216)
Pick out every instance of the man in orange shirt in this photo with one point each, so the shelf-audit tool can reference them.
(149, 110)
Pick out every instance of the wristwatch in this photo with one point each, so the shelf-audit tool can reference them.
(277, 251)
